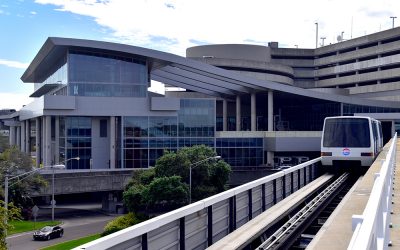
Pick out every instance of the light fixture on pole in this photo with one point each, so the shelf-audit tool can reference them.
(53, 202)
(323, 39)
(193, 165)
(316, 35)
(393, 17)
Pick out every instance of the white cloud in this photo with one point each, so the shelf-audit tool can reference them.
(14, 100)
(173, 25)
(33, 12)
(13, 64)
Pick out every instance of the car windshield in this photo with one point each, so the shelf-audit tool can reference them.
(45, 229)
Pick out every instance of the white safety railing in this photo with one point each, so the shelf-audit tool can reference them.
(371, 229)
(200, 224)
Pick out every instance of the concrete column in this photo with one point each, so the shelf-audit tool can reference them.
(27, 137)
(42, 137)
(18, 134)
(270, 110)
(112, 142)
(47, 143)
(270, 154)
(253, 112)
(38, 144)
(341, 109)
(238, 114)
(225, 115)
(12, 136)
(270, 158)
(57, 139)
(23, 131)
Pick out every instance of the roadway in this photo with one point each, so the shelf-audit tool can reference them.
(77, 223)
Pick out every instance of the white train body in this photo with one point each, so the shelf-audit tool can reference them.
(350, 139)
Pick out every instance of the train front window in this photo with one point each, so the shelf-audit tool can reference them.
(347, 132)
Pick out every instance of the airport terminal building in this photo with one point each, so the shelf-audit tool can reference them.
(249, 102)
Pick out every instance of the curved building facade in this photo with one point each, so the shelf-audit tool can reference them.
(248, 102)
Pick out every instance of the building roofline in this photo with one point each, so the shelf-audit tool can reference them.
(178, 69)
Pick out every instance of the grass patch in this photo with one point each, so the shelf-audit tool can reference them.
(73, 243)
(26, 226)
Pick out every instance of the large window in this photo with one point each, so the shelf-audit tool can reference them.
(98, 74)
(76, 141)
(241, 151)
(196, 120)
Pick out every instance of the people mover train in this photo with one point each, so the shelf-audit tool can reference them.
(352, 140)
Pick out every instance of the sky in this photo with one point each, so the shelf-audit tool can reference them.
(174, 25)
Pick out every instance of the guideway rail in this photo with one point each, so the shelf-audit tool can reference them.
(285, 231)
(371, 229)
(203, 223)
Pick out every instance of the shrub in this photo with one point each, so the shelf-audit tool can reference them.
(120, 223)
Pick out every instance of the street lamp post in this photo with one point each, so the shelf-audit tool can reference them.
(193, 165)
(393, 17)
(53, 202)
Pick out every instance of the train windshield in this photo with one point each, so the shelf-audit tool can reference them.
(347, 132)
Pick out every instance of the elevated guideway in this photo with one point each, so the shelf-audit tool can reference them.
(362, 220)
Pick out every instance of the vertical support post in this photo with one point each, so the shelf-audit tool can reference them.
(18, 139)
(182, 233)
(253, 112)
(305, 176)
(23, 136)
(232, 214)
(284, 186)
(27, 136)
(263, 197)
(112, 142)
(298, 179)
(270, 154)
(291, 183)
(270, 110)
(238, 114)
(12, 136)
(250, 195)
(47, 159)
(52, 196)
(57, 139)
(274, 190)
(209, 225)
(38, 144)
(224, 115)
(144, 242)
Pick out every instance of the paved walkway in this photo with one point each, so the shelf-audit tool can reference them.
(337, 232)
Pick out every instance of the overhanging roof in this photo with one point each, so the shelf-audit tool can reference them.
(44, 89)
(182, 72)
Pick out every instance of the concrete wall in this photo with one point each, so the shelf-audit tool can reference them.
(100, 145)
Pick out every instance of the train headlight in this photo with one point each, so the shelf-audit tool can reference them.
(326, 153)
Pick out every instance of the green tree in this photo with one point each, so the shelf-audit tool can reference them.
(133, 198)
(208, 177)
(166, 193)
(13, 213)
(3, 143)
(14, 162)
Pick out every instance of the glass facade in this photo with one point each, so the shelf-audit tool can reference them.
(76, 141)
(350, 109)
(97, 74)
(241, 151)
(144, 138)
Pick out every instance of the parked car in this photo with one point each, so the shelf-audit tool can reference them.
(48, 232)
